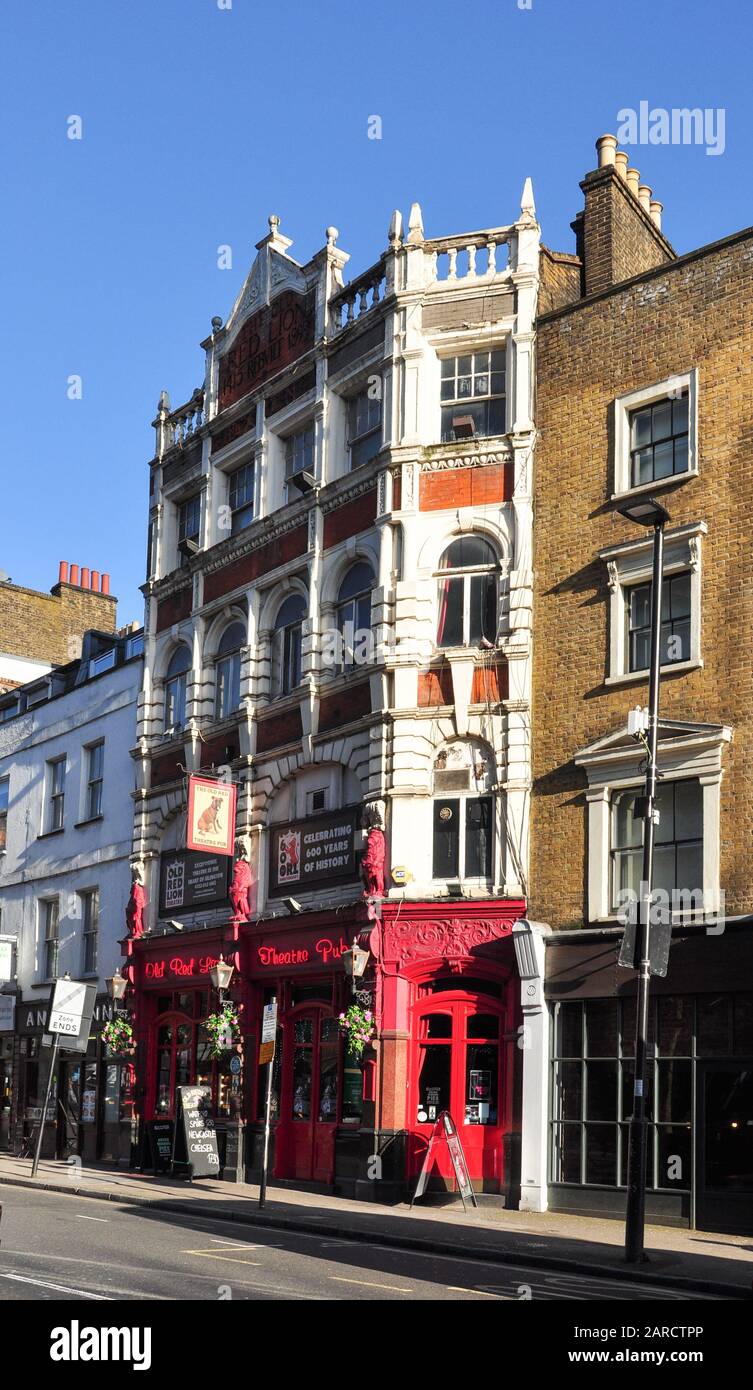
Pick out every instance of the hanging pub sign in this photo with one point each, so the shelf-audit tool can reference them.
(197, 1134)
(188, 881)
(318, 852)
(211, 816)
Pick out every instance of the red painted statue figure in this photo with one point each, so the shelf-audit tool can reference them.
(241, 889)
(136, 905)
(373, 857)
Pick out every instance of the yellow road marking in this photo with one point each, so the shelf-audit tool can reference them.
(221, 1255)
(393, 1288)
(479, 1293)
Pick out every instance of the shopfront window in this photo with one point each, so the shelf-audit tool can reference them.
(303, 1048)
(593, 1043)
(459, 1061)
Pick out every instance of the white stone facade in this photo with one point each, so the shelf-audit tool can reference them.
(388, 332)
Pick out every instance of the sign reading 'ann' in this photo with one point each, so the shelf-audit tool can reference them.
(267, 342)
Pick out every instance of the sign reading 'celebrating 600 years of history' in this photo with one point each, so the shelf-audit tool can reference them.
(267, 342)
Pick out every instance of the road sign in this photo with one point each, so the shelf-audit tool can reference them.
(67, 1008)
(659, 941)
(268, 1032)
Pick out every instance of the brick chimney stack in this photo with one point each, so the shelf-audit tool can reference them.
(618, 233)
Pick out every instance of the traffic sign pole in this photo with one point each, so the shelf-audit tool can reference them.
(53, 1060)
(267, 1054)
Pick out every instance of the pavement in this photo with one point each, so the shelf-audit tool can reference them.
(695, 1261)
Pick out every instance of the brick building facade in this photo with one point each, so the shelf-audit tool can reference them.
(645, 388)
(39, 630)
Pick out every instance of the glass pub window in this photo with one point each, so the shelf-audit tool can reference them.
(474, 385)
(94, 774)
(50, 911)
(592, 1091)
(675, 622)
(364, 428)
(659, 441)
(228, 671)
(56, 807)
(4, 800)
(299, 457)
(462, 844)
(678, 849)
(287, 644)
(467, 593)
(90, 930)
(175, 689)
(189, 522)
(241, 498)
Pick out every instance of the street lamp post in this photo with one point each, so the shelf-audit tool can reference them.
(645, 513)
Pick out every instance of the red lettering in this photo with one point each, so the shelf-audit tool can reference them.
(328, 950)
(269, 955)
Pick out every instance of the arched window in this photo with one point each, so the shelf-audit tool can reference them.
(175, 689)
(227, 681)
(354, 615)
(286, 652)
(463, 837)
(468, 594)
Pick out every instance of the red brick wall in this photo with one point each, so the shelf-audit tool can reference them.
(350, 518)
(465, 487)
(215, 750)
(259, 562)
(166, 768)
(279, 729)
(490, 683)
(173, 609)
(349, 704)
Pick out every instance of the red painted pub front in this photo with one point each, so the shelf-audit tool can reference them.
(442, 984)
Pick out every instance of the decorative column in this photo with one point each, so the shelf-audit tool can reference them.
(533, 1040)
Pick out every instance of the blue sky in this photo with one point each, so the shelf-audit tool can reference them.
(198, 121)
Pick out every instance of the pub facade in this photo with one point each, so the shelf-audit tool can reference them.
(338, 610)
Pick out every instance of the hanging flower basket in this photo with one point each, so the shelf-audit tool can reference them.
(359, 1028)
(223, 1029)
(117, 1035)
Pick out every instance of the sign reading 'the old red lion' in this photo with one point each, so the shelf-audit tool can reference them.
(267, 342)
(211, 815)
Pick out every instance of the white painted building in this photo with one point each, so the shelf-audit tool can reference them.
(66, 774)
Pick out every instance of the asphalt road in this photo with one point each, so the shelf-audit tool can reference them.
(53, 1246)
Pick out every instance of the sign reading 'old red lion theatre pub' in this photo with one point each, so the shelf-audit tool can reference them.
(267, 342)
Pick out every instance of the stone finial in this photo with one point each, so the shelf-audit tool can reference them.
(216, 323)
(396, 228)
(415, 225)
(274, 223)
(331, 234)
(164, 402)
(527, 205)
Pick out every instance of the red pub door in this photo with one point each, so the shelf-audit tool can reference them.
(309, 1103)
(457, 1064)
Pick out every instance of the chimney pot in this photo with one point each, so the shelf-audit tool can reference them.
(644, 197)
(621, 163)
(74, 574)
(655, 209)
(95, 581)
(105, 584)
(605, 148)
(84, 578)
(633, 177)
(63, 572)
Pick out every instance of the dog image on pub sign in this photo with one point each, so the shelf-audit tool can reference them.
(211, 815)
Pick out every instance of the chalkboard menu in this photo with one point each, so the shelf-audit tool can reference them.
(160, 1140)
(197, 1132)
